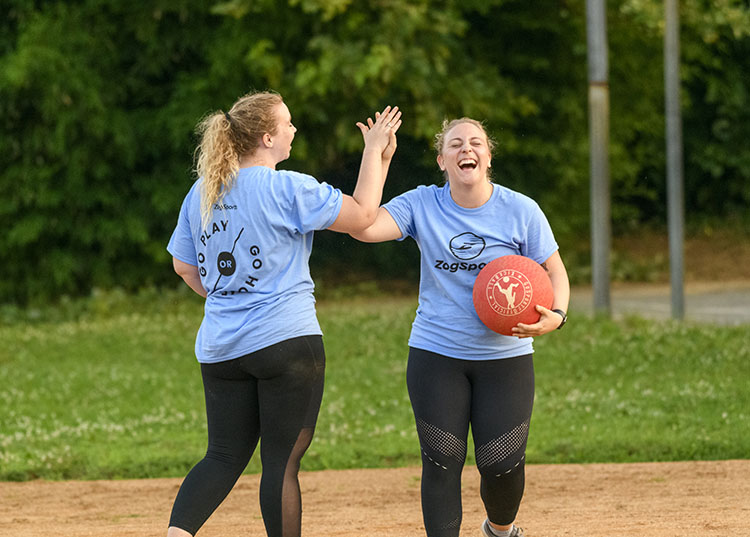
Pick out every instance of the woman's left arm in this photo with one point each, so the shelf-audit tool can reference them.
(550, 320)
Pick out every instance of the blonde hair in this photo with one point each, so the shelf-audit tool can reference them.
(449, 124)
(225, 137)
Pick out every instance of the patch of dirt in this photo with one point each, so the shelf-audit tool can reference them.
(597, 500)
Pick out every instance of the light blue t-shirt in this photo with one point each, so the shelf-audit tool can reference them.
(455, 243)
(253, 259)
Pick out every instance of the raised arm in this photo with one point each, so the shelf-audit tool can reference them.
(359, 210)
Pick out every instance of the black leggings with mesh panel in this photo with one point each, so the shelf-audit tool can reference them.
(274, 394)
(494, 396)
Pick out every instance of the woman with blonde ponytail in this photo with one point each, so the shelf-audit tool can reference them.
(242, 241)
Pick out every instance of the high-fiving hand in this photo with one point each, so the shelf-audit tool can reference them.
(381, 133)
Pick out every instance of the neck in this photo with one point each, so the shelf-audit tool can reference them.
(471, 197)
(259, 158)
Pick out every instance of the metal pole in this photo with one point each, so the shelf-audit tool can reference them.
(675, 188)
(601, 227)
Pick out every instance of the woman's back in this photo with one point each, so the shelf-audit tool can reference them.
(253, 258)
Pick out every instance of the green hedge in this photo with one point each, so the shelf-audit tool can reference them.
(99, 100)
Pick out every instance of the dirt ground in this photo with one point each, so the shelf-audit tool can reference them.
(676, 499)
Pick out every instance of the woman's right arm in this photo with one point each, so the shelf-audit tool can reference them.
(189, 273)
(384, 229)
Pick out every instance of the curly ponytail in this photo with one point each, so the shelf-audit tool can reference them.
(225, 138)
(217, 162)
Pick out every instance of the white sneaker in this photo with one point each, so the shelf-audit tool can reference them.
(487, 531)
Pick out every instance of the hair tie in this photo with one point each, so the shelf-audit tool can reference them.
(229, 118)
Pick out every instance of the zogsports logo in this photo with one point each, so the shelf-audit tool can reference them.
(467, 245)
(455, 266)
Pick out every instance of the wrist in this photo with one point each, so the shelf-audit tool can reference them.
(562, 314)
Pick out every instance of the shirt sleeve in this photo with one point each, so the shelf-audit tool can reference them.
(401, 208)
(540, 241)
(181, 244)
(315, 205)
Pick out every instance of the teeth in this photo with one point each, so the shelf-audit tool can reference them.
(467, 162)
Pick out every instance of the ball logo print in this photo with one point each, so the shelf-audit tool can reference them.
(507, 291)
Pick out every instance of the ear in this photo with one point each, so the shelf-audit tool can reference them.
(440, 163)
(267, 140)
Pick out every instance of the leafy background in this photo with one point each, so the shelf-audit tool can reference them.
(99, 100)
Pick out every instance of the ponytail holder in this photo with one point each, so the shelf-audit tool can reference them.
(229, 118)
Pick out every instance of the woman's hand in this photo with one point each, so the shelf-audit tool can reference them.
(548, 322)
(381, 133)
(390, 149)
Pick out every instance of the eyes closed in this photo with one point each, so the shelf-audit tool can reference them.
(476, 142)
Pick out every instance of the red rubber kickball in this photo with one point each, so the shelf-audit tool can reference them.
(507, 291)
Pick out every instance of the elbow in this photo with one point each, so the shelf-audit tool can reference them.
(366, 220)
(360, 221)
(360, 235)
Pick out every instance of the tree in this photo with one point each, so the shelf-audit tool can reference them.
(99, 100)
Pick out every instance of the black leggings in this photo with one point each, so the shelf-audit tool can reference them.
(275, 394)
(496, 397)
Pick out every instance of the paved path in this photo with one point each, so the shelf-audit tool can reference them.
(720, 302)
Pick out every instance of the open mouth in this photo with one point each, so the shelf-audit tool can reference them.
(467, 164)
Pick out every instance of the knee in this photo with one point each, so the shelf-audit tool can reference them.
(505, 468)
(298, 451)
(234, 458)
(441, 451)
(503, 455)
(439, 466)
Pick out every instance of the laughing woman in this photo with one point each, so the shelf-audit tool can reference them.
(459, 372)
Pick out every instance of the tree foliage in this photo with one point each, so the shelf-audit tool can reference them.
(99, 100)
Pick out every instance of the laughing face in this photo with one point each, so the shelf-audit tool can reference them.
(465, 155)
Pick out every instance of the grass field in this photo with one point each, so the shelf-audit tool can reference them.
(109, 388)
